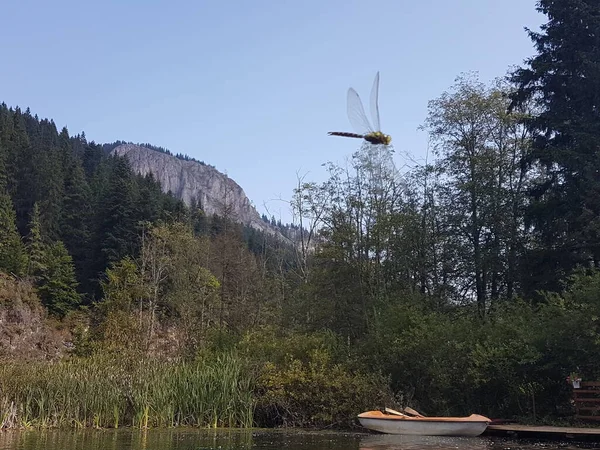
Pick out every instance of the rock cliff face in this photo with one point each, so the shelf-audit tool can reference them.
(188, 180)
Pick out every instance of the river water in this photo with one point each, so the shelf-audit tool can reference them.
(194, 439)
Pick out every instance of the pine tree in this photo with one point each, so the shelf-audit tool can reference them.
(51, 186)
(92, 155)
(564, 79)
(12, 257)
(36, 249)
(58, 286)
(5, 136)
(21, 185)
(149, 196)
(117, 219)
(75, 222)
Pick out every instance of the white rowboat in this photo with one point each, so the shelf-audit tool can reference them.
(473, 425)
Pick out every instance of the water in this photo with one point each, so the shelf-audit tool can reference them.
(194, 439)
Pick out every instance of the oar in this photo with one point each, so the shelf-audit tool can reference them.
(412, 412)
(394, 412)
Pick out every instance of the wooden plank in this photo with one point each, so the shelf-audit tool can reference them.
(577, 416)
(555, 430)
(393, 411)
(586, 401)
(550, 433)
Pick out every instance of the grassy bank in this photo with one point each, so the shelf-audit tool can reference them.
(107, 391)
(269, 380)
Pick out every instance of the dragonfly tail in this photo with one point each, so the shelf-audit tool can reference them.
(344, 134)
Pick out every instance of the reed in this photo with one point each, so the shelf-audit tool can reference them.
(106, 391)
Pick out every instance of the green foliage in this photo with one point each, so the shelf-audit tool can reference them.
(571, 329)
(519, 357)
(91, 202)
(301, 384)
(509, 345)
(479, 183)
(58, 286)
(426, 353)
(271, 344)
(75, 226)
(51, 268)
(117, 327)
(317, 393)
(12, 256)
(116, 218)
(36, 249)
(565, 204)
(455, 284)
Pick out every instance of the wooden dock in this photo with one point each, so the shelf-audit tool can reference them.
(525, 431)
(586, 399)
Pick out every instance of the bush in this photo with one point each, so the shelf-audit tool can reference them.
(304, 381)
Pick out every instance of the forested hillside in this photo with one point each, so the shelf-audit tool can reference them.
(466, 283)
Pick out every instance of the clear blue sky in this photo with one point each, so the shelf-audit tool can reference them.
(250, 86)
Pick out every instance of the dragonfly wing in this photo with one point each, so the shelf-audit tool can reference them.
(356, 113)
(375, 103)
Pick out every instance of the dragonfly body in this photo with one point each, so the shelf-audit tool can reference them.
(377, 137)
(359, 121)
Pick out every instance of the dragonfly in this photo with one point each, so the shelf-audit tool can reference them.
(360, 122)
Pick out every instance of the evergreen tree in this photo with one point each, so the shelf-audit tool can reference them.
(63, 188)
(58, 287)
(51, 188)
(149, 196)
(5, 136)
(13, 140)
(117, 219)
(92, 155)
(24, 188)
(36, 249)
(12, 257)
(76, 222)
(564, 79)
(173, 209)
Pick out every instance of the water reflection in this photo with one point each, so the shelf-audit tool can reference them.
(202, 439)
(398, 442)
(180, 439)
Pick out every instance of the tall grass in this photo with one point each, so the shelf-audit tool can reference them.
(106, 391)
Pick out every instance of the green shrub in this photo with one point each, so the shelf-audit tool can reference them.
(304, 381)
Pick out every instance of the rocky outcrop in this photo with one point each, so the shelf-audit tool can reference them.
(214, 191)
(25, 332)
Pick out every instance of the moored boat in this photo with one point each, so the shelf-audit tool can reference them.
(383, 422)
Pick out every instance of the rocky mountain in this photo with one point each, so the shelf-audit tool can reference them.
(214, 191)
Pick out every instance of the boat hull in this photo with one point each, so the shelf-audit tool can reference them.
(473, 425)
